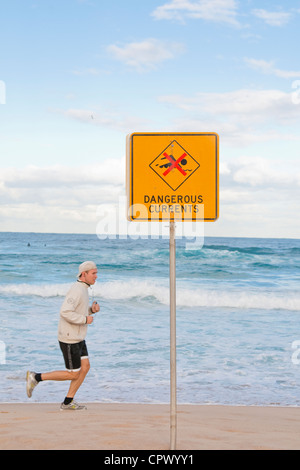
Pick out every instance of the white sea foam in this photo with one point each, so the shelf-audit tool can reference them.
(199, 297)
(153, 291)
(40, 290)
(238, 302)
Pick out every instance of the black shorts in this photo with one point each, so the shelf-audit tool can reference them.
(73, 353)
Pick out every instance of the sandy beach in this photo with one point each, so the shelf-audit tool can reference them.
(145, 427)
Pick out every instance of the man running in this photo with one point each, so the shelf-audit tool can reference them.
(75, 316)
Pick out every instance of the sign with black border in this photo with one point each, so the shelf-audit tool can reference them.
(172, 176)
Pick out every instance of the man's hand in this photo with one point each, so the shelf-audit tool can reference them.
(95, 307)
(89, 319)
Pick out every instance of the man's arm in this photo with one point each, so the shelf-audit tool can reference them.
(68, 309)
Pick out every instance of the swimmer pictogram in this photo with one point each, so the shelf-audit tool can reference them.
(174, 165)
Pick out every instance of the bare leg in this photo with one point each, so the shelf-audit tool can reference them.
(75, 384)
(76, 378)
(60, 375)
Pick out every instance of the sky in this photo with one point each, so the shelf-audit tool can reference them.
(78, 76)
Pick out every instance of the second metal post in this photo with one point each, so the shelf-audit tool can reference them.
(173, 385)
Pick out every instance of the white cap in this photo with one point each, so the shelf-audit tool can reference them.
(86, 266)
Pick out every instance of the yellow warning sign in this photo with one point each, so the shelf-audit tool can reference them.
(173, 176)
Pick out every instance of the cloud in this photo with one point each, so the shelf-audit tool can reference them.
(217, 11)
(145, 55)
(249, 172)
(264, 191)
(59, 198)
(242, 116)
(92, 199)
(34, 184)
(107, 171)
(270, 69)
(273, 18)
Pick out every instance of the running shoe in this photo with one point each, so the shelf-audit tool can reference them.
(72, 406)
(31, 383)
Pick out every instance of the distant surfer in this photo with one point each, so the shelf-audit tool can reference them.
(75, 315)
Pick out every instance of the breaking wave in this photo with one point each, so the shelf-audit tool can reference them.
(147, 290)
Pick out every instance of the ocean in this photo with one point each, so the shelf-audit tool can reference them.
(238, 323)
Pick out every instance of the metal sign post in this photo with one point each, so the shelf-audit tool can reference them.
(173, 387)
(169, 177)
